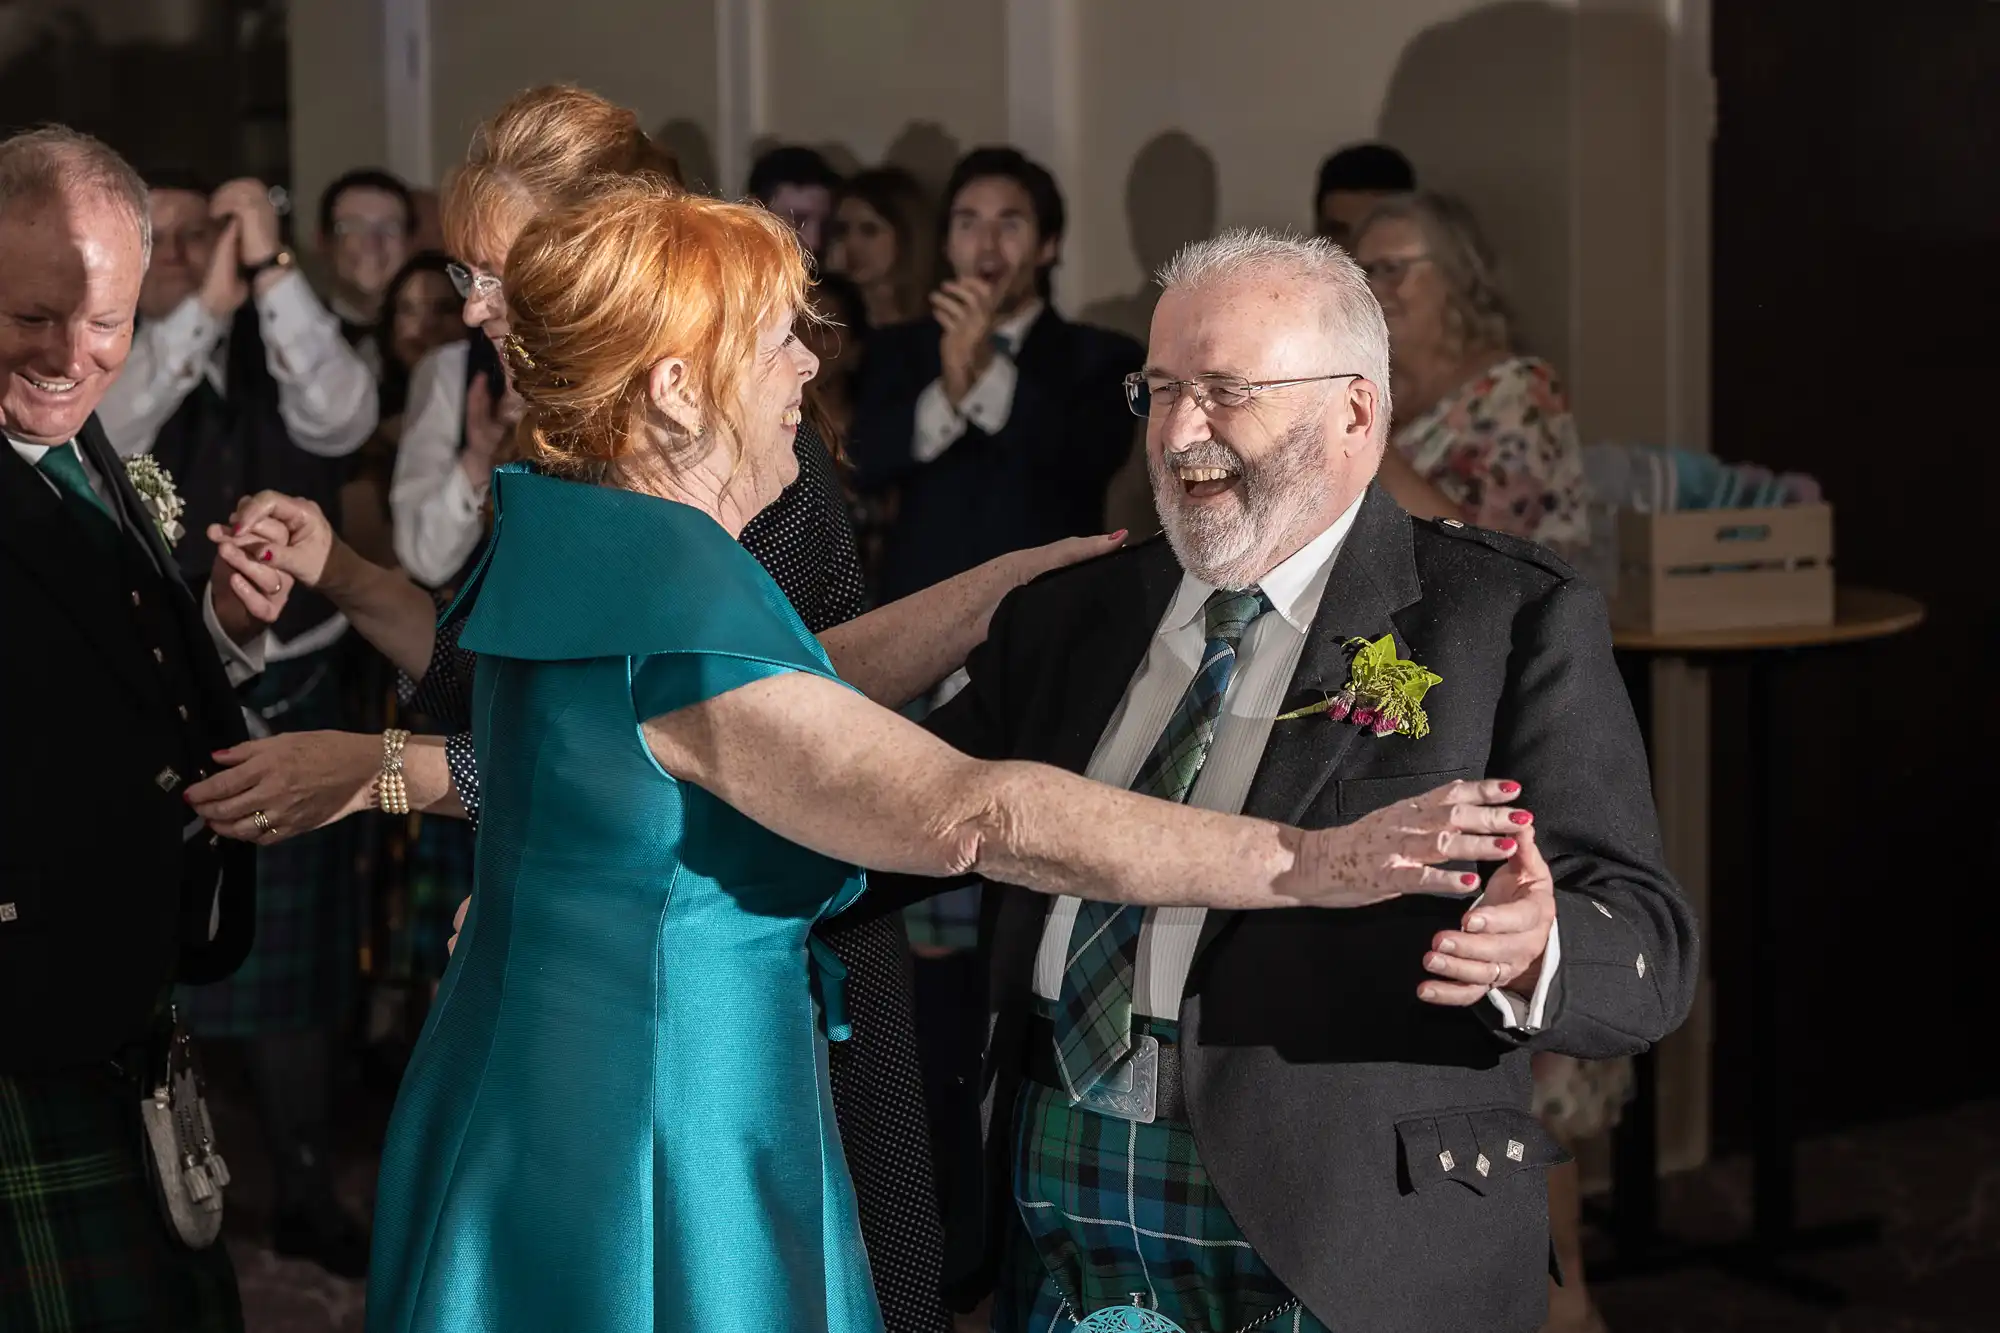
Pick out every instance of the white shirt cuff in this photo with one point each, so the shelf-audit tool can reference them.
(1527, 1013)
(938, 424)
(240, 661)
(295, 326)
(991, 400)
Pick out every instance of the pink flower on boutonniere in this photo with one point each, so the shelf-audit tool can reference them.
(1384, 693)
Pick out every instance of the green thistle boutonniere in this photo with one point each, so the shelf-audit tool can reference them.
(1384, 693)
(156, 487)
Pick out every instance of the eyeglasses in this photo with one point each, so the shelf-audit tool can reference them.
(1389, 271)
(471, 285)
(1146, 394)
(346, 228)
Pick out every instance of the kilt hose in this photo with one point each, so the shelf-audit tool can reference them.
(83, 1247)
(302, 972)
(1109, 1208)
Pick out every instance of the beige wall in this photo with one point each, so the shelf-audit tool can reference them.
(902, 80)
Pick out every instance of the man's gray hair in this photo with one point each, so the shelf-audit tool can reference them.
(1356, 333)
(56, 162)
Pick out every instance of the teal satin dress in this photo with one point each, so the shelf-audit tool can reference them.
(618, 1117)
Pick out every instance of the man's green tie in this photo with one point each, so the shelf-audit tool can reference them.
(1093, 1020)
(62, 466)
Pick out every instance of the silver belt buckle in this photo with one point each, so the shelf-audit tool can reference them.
(1130, 1089)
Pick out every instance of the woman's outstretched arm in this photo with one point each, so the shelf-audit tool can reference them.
(818, 765)
(896, 652)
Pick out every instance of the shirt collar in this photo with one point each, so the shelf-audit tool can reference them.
(1294, 586)
(32, 454)
(1015, 328)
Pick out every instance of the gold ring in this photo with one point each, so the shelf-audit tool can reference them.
(261, 820)
(1497, 970)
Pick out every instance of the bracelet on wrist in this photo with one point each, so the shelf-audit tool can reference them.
(392, 794)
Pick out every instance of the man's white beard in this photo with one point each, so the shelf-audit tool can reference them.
(1228, 546)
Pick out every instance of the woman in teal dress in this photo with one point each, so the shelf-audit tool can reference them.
(618, 1116)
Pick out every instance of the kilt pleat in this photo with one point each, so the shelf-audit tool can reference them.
(83, 1248)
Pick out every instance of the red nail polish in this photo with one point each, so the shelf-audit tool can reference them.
(266, 557)
(1522, 817)
(1504, 844)
(1510, 787)
(1468, 880)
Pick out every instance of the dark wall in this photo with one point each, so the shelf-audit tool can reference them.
(1857, 338)
(216, 105)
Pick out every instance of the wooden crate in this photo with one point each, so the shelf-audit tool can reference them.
(1719, 569)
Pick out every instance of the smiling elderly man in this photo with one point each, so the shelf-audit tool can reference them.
(1304, 1119)
(115, 699)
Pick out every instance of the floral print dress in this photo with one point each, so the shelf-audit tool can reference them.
(1503, 447)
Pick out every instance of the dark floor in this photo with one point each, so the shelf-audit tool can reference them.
(1934, 1182)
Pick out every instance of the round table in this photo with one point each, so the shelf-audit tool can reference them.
(1861, 615)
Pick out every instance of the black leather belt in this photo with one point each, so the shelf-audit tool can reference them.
(1170, 1103)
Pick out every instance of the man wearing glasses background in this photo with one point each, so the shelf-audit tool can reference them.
(1301, 1120)
(367, 222)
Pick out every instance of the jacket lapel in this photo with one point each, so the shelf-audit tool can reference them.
(133, 515)
(1374, 577)
(51, 544)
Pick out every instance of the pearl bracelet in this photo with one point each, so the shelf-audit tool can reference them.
(390, 791)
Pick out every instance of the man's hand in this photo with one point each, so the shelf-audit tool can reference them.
(223, 290)
(964, 307)
(301, 781)
(248, 593)
(290, 535)
(1504, 937)
(249, 202)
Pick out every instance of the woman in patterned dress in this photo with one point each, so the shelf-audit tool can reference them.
(1483, 434)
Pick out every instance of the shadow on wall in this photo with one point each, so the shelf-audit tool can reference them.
(927, 152)
(1538, 115)
(688, 142)
(1481, 105)
(1171, 198)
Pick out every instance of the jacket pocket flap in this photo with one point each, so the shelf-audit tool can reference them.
(1477, 1148)
(1358, 796)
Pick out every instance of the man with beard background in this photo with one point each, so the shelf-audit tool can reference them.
(1302, 1120)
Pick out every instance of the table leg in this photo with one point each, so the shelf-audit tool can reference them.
(1774, 1198)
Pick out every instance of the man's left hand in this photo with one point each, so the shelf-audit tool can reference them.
(248, 594)
(1504, 936)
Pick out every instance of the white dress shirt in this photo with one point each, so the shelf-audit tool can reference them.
(436, 512)
(241, 661)
(988, 403)
(326, 396)
(1265, 663)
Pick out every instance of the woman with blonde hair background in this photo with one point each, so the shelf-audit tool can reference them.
(618, 1118)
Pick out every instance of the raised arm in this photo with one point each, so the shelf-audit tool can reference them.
(817, 764)
(896, 652)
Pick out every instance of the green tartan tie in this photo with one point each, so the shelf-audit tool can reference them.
(62, 466)
(1093, 1020)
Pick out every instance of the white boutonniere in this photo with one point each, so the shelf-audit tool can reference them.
(156, 487)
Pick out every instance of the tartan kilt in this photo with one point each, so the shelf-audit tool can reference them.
(301, 972)
(1109, 1208)
(83, 1248)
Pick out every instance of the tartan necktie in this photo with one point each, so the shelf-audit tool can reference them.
(62, 466)
(1093, 1020)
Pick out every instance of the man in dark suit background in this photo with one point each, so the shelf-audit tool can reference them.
(116, 696)
(998, 419)
(1315, 1119)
